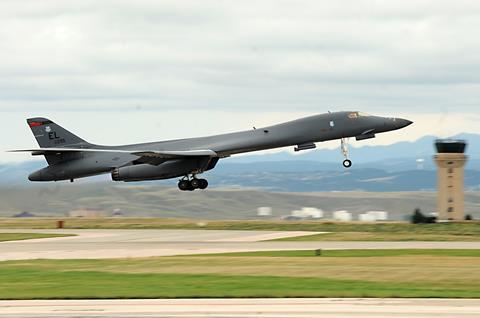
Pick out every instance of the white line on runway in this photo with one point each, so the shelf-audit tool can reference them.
(268, 308)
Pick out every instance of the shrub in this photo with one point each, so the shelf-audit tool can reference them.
(419, 218)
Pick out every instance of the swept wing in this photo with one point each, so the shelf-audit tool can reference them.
(159, 154)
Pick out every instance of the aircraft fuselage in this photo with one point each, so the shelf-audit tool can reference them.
(125, 164)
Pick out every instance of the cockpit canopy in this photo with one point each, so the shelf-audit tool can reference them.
(354, 115)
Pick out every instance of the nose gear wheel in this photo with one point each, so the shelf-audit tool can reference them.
(347, 163)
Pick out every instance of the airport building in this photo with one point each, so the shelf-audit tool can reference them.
(373, 216)
(264, 211)
(342, 215)
(305, 213)
(450, 159)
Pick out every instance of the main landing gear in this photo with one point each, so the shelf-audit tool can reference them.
(347, 163)
(187, 184)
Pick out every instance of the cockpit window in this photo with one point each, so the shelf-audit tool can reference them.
(354, 115)
(360, 114)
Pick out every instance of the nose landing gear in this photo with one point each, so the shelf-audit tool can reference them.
(190, 184)
(347, 163)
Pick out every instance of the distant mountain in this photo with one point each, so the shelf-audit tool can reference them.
(389, 165)
(388, 155)
(17, 173)
(133, 200)
(375, 168)
(351, 180)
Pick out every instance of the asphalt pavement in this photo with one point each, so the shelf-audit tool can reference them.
(245, 308)
(143, 243)
(91, 244)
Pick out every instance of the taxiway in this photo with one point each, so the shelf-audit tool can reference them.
(93, 244)
(244, 308)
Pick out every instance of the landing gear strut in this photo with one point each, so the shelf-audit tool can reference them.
(347, 163)
(190, 184)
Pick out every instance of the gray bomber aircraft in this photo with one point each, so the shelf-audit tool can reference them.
(69, 157)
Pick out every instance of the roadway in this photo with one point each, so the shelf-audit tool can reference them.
(93, 244)
(244, 308)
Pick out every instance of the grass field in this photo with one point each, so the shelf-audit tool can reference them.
(354, 253)
(27, 236)
(347, 273)
(354, 231)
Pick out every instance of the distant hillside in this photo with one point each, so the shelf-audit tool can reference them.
(351, 180)
(17, 173)
(375, 168)
(393, 155)
(57, 199)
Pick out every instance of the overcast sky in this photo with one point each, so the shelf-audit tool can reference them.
(120, 72)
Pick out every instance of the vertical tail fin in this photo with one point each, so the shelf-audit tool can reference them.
(49, 134)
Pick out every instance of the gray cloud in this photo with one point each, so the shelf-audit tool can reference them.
(240, 55)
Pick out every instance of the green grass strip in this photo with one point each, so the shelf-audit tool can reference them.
(28, 236)
(466, 229)
(40, 284)
(355, 253)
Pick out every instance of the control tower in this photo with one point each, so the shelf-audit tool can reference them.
(450, 159)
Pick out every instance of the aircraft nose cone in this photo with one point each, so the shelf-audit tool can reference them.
(403, 122)
(395, 123)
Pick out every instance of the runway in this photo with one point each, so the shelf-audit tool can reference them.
(245, 308)
(145, 243)
(91, 244)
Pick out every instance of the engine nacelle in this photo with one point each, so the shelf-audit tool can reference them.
(363, 137)
(166, 170)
